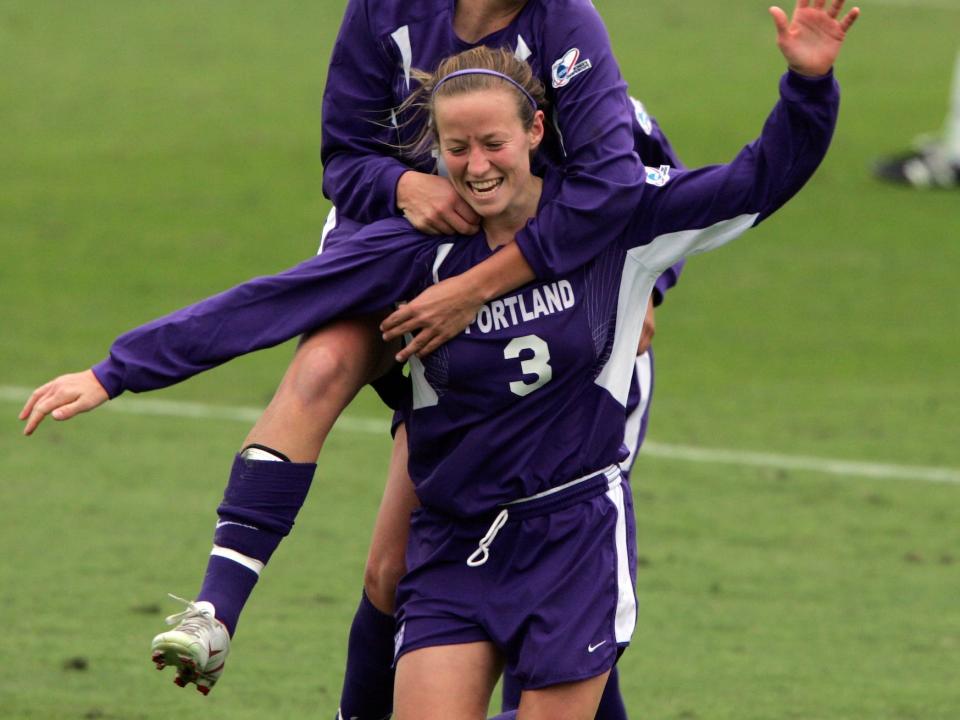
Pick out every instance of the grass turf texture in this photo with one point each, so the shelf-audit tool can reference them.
(155, 153)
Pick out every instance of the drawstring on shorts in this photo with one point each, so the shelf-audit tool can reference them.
(576, 490)
(483, 547)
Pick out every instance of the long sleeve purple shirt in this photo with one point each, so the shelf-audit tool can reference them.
(532, 393)
(566, 43)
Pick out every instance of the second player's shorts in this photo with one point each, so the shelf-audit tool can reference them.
(552, 587)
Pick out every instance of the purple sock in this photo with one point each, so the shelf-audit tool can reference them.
(611, 702)
(227, 585)
(258, 509)
(368, 681)
(509, 693)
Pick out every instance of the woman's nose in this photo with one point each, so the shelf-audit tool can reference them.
(477, 162)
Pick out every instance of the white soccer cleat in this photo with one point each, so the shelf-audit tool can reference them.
(198, 646)
(929, 166)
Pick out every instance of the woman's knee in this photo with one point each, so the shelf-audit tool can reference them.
(334, 359)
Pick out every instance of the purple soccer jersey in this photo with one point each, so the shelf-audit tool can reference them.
(601, 130)
(533, 393)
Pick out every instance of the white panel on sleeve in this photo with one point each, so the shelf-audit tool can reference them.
(401, 36)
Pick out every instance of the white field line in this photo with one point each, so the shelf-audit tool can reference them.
(199, 411)
(829, 466)
(848, 468)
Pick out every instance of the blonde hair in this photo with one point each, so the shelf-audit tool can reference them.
(453, 77)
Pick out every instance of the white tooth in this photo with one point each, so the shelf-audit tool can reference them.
(485, 185)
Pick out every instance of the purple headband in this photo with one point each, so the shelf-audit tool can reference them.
(484, 71)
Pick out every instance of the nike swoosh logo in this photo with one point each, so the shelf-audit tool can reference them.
(591, 648)
(224, 523)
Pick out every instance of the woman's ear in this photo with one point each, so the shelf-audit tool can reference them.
(536, 130)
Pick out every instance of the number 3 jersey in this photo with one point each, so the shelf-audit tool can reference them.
(532, 393)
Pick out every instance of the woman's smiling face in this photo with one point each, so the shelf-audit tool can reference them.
(486, 149)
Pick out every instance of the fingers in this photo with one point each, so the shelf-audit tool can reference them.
(397, 331)
(49, 402)
(35, 396)
(850, 19)
(463, 209)
(62, 398)
(425, 338)
(835, 8)
(32, 423)
(780, 20)
(460, 217)
(432, 206)
(460, 225)
(422, 338)
(450, 223)
(423, 344)
(414, 347)
(432, 344)
(397, 323)
(404, 354)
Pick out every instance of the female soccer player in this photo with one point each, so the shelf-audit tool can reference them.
(378, 44)
(520, 551)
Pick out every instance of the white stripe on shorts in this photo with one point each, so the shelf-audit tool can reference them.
(626, 618)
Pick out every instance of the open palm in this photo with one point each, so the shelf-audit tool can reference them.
(811, 39)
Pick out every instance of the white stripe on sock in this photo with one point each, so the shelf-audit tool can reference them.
(248, 562)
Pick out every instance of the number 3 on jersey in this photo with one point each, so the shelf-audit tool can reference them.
(537, 365)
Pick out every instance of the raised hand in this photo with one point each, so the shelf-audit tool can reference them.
(811, 39)
(62, 398)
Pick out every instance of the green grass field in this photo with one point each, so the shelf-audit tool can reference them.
(153, 153)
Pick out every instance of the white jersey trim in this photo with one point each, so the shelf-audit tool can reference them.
(523, 51)
(442, 253)
(329, 225)
(423, 394)
(642, 267)
(631, 433)
(401, 36)
(612, 473)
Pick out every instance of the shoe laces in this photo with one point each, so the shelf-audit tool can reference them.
(192, 621)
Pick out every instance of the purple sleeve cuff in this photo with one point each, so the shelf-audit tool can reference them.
(109, 374)
(387, 187)
(794, 86)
